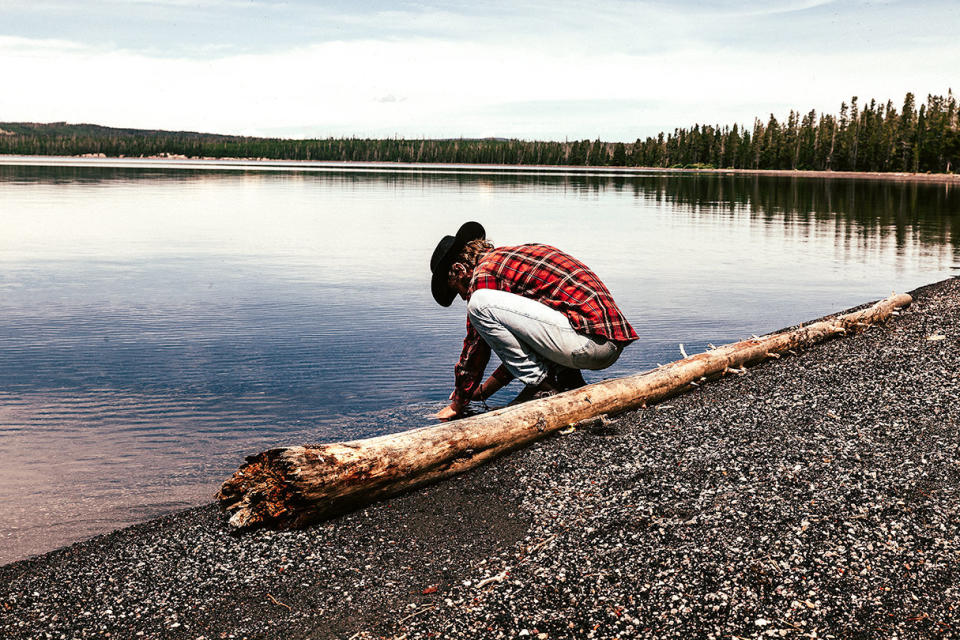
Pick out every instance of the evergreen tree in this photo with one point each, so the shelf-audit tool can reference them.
(619, 155)
(597, 154)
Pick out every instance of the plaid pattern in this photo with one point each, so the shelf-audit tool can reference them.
(549, 276)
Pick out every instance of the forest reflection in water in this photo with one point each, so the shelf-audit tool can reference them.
(866, 206)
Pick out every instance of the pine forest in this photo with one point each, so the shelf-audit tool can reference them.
(876, 137)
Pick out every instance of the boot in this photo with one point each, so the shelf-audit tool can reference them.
(565, 379)
(534, 392)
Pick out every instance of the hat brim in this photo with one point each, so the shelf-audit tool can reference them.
(443, 293)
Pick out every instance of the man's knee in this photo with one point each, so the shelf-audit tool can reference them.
(596, 355)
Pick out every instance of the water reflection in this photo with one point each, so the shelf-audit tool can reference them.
(159, 324)
(865, 205)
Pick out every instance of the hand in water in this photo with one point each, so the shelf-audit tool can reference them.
(447, 413)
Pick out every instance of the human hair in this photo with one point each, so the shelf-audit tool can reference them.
(471, 253)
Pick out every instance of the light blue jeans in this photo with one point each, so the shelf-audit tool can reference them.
(527, 335)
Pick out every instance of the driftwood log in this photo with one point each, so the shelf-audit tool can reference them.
(295, 486)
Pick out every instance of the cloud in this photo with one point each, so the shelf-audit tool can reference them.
(435, 87)
(16, 45)
(749, 8)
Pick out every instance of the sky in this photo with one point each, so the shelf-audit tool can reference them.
(530, 69)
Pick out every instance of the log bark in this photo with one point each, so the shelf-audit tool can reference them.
(294, 486)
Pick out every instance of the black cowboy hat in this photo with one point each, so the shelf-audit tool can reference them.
(443, 256)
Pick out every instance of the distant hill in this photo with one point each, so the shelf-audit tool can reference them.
(54, 129)
(63, 139)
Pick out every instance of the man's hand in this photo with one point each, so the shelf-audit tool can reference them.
(448, 413)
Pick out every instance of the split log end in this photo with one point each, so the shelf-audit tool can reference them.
(259, 493)
(277, 488)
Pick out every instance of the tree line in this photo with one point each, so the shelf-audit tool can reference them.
(861, 137)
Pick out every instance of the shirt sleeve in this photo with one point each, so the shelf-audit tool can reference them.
(469, 369)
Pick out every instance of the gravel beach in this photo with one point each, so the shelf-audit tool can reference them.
(816, 496)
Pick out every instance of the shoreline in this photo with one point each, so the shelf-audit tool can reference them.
(306, 165)
(816, 494)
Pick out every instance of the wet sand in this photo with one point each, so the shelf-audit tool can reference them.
(815, 496)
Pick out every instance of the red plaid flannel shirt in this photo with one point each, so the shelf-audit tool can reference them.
(552, 277)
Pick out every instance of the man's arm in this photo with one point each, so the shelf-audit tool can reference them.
(475, 356)
(467, 373)
(499, 379)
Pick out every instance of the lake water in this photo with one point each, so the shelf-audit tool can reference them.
(160, 320)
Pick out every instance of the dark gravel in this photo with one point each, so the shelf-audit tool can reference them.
(816, 496)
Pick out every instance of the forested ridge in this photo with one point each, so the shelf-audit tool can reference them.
(860, 137)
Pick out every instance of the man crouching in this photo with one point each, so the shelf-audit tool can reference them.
(544, 313)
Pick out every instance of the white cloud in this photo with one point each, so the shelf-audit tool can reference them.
(26, 46)
(447, 88)
(740, 8)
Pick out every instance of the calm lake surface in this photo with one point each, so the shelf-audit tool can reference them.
(158, 323)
